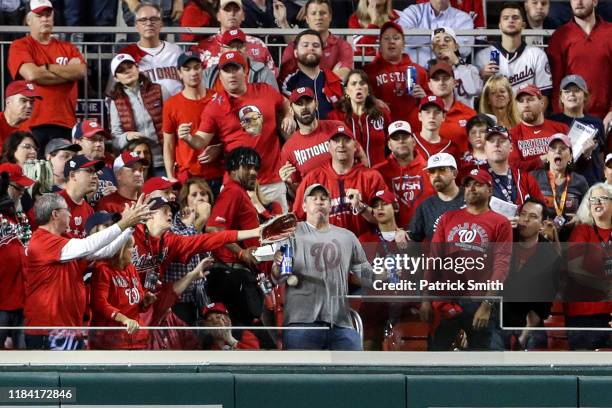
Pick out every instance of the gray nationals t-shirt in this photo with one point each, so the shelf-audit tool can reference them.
(322, 262)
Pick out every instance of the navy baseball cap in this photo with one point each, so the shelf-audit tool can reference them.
(99, 218)
(81, 162)
(185, 57)
(158, 202)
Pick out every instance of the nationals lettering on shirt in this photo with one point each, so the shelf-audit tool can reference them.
(531, 142)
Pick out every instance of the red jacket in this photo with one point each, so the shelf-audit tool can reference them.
(366, 180)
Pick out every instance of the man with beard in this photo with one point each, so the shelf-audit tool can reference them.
(308, 146)
(235, 210)
(477, 233)
(337, 53)
(388, 80)
(19, 97)
(522, 64)
(583, 47)
(221, 117)
(182, 114)
(324, 256)
(81, 179)
(442, 173)
(530, 137)
(309, 74)
(403, 171)
(128, 168)
(351, 185)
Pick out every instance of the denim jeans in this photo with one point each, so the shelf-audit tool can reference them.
(336, 338)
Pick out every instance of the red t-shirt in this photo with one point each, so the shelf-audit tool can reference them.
(58, 106)
(116, 291)
(487, 235)
(410, 184)
(453, 127)
(364, 179)
(370, 133)
(13, 257)
(531, 142)
(594, 257)
(335, 50)
(157, 252)
(193, 16)
(177, 110)
(221, 117)
(79, 215)
(307, 152)
(55, 292)
(113, 203)
(427, 149)
(388, 83)
(233, 210)
(5, 130)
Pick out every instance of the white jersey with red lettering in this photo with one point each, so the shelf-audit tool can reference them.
(159, 65)
(528, 65)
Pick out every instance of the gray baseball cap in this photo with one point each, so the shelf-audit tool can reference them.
(576, 80)
(61, 144)
(311, 188)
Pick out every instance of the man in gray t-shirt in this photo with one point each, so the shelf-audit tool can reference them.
(324, 255)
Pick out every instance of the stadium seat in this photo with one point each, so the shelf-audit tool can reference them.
(557, 339)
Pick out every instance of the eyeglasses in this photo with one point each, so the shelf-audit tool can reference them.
(145, 20)
(599, 200)
(28, 146)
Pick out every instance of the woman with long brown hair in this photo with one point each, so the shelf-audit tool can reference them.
(497, 99)
(363, 116)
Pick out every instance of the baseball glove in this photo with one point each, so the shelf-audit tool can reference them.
(278, 228)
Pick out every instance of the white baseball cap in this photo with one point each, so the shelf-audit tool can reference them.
(120, 58)
(608, 158)
(441, 160)
(445, 30)
(40, 5)
(399, 125)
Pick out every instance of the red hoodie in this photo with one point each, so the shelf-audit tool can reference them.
(388, 83)
(364, 179)
(409, 183)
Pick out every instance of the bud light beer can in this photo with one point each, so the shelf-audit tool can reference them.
(411, 79)
(494, 57)
(286, 267)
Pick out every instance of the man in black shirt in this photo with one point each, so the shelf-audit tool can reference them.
(442, 169)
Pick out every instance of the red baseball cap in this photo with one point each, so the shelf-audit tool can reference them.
(300, 93)
(158, 183)
(390, 24)
(441, 66)
(432, 100)
(233, 35)
(213, 307)
(385, 195)
(479, 175)
(88, 128)
(127, 159)
(24, 88)
(530, 89)
(232, 57)
(341, 130)
(38, 6)
(15, 173)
